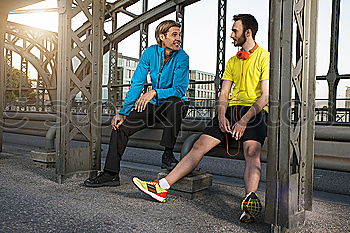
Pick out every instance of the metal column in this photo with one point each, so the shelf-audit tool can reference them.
(221, 45)
(310, 104)
(291, 121)
(73, 161)
(143, 30)
(180, 18)
(23, 81)
(333, 74)
(3, 20)
(114, 94)
(333, 77)
(8, 74)
(40, 89)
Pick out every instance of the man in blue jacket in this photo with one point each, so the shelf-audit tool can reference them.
(168, 66)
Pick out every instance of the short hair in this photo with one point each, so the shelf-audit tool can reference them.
(163, 28)
(248, 22)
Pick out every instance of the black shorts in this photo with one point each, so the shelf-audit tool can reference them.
(256, 128)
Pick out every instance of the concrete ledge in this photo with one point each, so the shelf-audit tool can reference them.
(193, 186)
(43, 158)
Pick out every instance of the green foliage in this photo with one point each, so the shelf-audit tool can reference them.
(14, 83)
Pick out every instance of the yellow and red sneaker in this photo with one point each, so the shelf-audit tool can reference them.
(151, 188)
(251, 204)
(246, 217)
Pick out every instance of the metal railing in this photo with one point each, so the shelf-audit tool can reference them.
(200, 108)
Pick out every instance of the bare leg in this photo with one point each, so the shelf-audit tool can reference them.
(252, 170)
(192, 159)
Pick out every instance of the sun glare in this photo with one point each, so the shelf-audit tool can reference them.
(47, 21)
(43, 20)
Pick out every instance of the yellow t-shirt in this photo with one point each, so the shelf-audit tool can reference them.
(247, 76)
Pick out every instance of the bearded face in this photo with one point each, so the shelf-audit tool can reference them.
(238, 34)
(239, 41)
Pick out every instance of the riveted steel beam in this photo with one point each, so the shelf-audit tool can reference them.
(45, 62)
(83, 160)
(37, 65)
(33, 11)
(180, 17)
(147, 18)
(221, 45)
(122, 4)
(114, 93)
(333, 77)
(111, 8)
(333, 74)
(134, 25)
(3, 19)
(291, 133)
(143, 30)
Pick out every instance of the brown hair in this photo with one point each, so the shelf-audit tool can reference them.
(163, 28)
(248, 22)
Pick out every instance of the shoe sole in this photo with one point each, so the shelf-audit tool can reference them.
(245, 218)
(153, 195)
(107, 184)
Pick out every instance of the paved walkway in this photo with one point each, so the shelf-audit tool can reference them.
(31, 201)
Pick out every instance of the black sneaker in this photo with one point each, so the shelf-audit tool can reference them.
(102, 179)
(168, 161)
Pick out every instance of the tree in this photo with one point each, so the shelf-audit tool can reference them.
(13, 83)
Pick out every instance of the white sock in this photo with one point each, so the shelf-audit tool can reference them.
(163, 183)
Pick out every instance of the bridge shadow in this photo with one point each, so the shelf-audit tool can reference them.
(221, 202)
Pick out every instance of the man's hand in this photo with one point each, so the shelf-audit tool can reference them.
(142, 102)
(117, 121)
(238, 129)
(224, 124)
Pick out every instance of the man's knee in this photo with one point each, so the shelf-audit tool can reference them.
(253, 151)
(115, 132)
(199, 145)
(122, 130)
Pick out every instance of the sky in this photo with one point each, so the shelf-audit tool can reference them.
(200, 33)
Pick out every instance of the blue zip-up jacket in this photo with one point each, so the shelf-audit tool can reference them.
(169, 79)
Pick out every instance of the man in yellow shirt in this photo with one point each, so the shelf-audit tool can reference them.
(241, 115)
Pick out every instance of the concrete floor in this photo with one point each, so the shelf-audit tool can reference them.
(31, 201)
